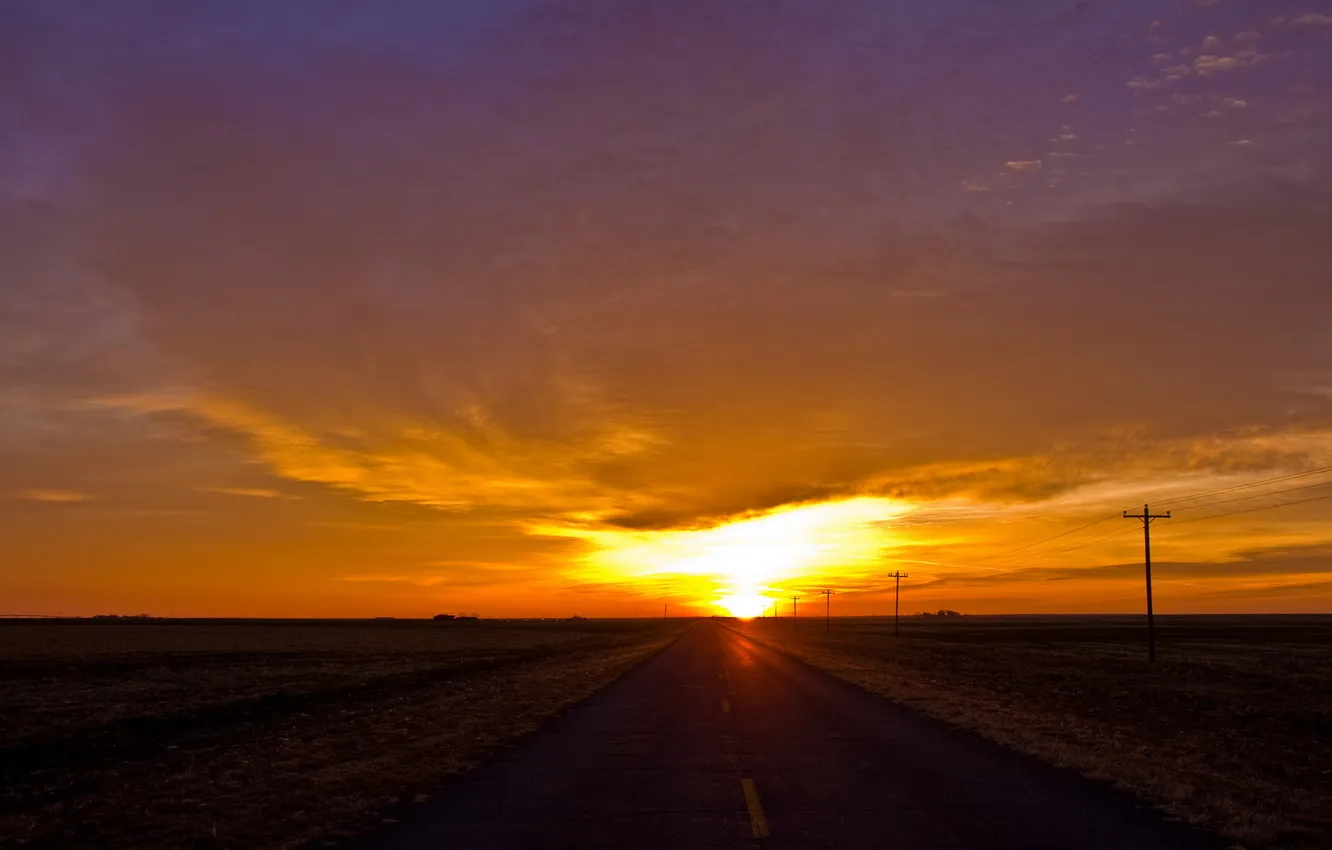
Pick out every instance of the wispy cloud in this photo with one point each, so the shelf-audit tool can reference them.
(253, 492)
(1311, 20)
(389, 578)
(1210, 64)
(476, 463)
(54, 496)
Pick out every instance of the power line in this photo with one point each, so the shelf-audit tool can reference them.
(1096, 539)
(1004, 556)
(1093, 539)
(1101, 538)
(1049, 539)
(1231, 513)
(1275, 480)
(1254, 496)
(1288, 477)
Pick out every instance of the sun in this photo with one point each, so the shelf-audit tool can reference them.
(744, 605)
(737, 566)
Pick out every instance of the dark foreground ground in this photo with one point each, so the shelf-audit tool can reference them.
(300, 735)
(1231, 728)
(253, 735)
(722, 742)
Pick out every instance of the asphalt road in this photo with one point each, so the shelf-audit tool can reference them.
(720, 742)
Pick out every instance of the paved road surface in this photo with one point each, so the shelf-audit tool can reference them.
(720, 742)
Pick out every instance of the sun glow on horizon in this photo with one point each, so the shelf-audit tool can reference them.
(745, 606)
(735, 568)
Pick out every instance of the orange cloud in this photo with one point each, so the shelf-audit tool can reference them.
(253, 492)
(414, 462)
(54, 496)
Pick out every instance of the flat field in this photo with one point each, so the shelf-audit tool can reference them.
(1231, 727)
(252, 734)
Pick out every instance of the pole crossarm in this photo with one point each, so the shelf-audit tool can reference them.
(1146, 516)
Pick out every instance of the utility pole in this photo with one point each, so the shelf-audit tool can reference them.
(664, 606)
(897, 596)
(1147, 516)
(793, 608)
(827, 610)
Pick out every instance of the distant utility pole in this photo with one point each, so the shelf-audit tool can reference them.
(1147, 516)
(664, 606)
(827, 609)
(897, 596)
(793, 606)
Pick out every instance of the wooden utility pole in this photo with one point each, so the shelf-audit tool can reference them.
(664, 606)
(793, 607)
(827, 609)
(1147, 516)
(897, 596)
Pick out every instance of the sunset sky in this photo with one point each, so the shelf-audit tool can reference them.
(525, 307)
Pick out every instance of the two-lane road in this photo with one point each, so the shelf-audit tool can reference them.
(721, 742)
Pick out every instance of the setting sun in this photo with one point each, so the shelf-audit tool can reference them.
(743, 606)
(731, 567)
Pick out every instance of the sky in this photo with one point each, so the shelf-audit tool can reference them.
(542, 307)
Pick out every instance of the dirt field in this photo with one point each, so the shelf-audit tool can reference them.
(1231, 728)
(269, 735)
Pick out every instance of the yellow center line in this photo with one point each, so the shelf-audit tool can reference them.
(726, 706)
(757, 823)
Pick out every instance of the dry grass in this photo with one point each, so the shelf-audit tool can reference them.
(1231, 728)
(269, 735)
